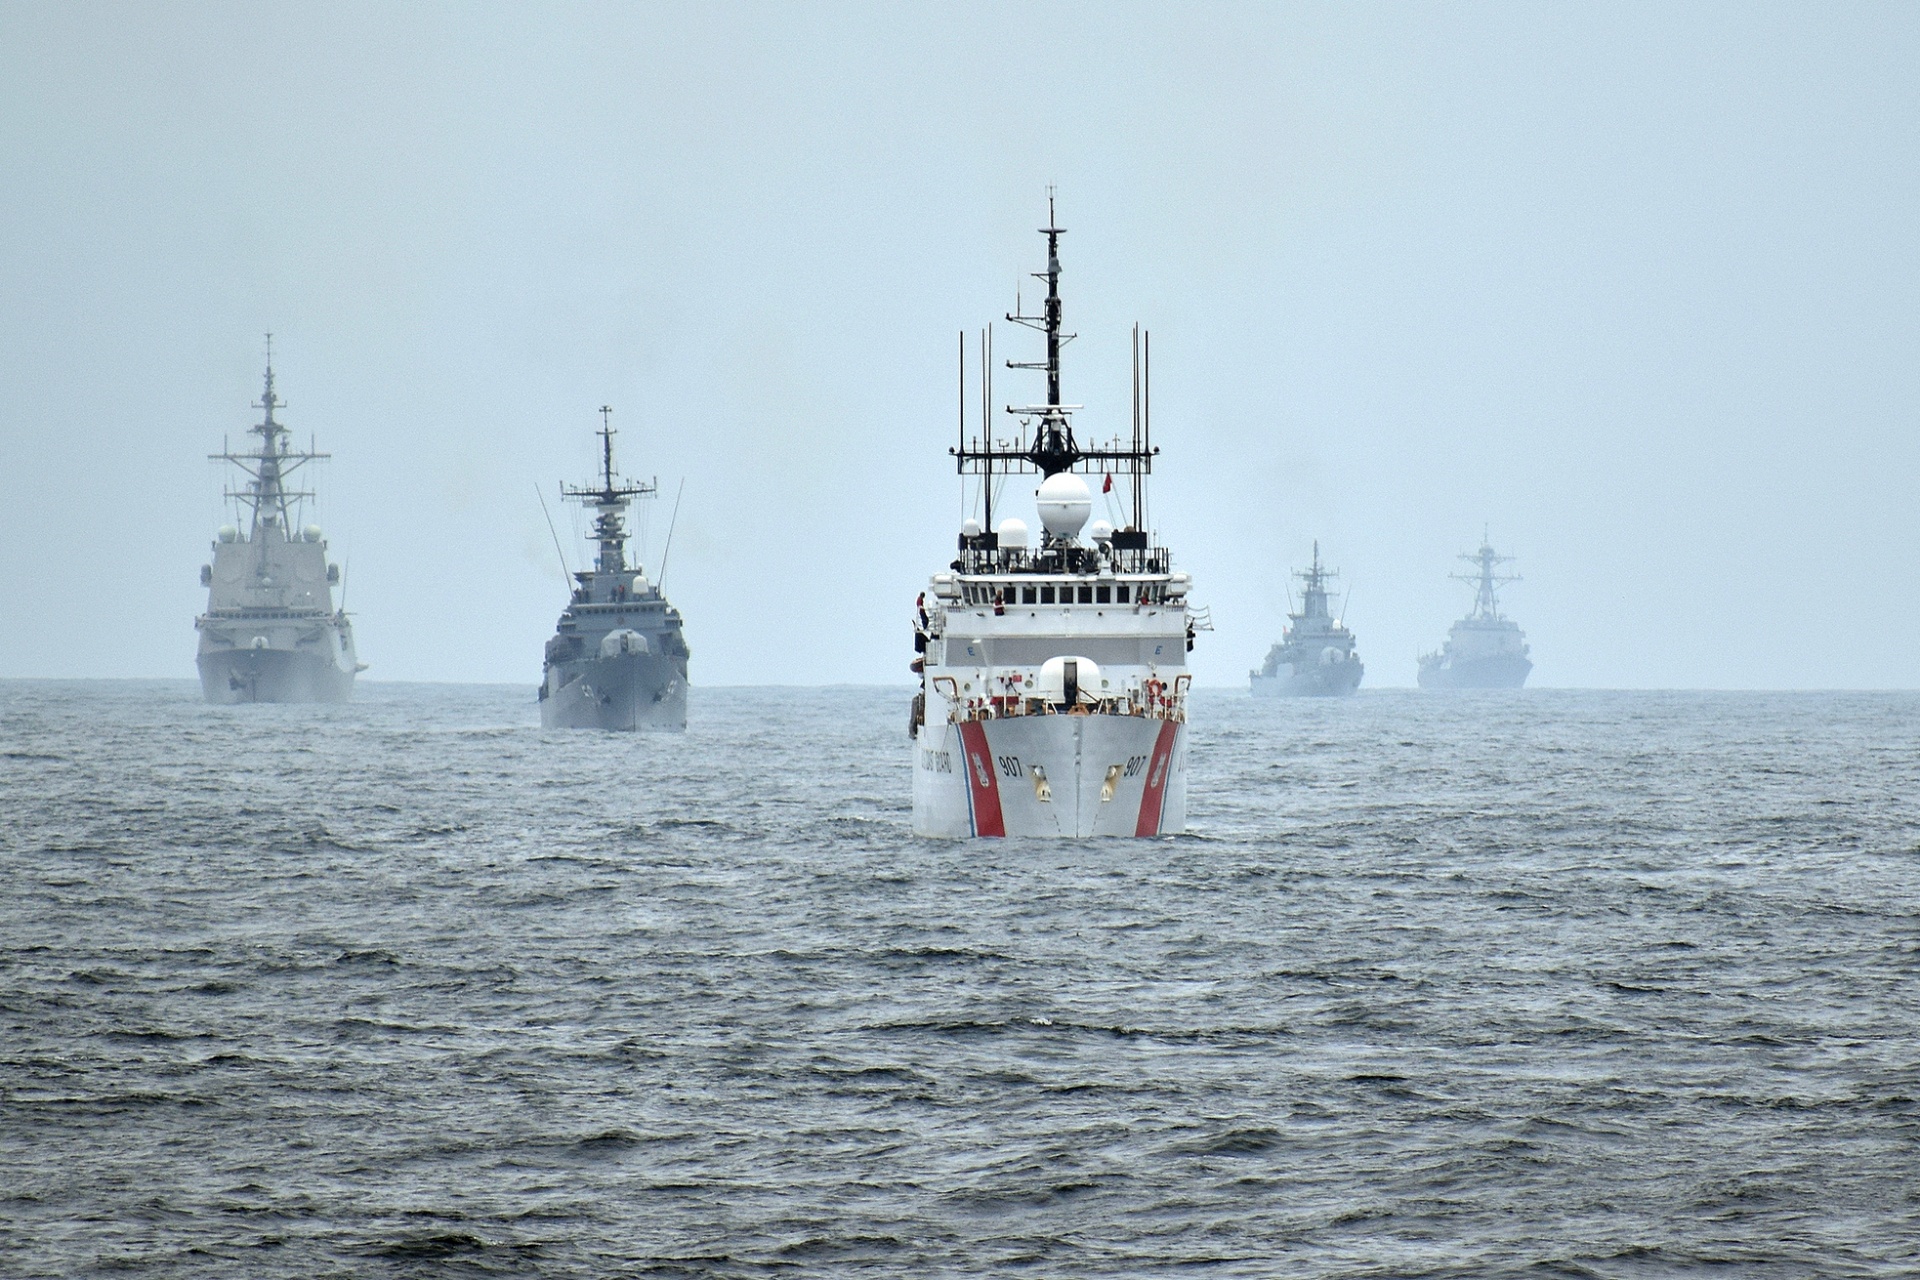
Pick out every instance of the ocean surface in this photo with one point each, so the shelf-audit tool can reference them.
(1549, 984)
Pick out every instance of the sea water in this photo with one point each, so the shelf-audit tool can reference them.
(1550, 983)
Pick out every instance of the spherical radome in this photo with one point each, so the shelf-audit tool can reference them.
(1064, 504)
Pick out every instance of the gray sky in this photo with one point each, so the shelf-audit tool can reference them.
(1635, 286)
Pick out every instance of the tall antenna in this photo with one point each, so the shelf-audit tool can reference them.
(1051, 448)
(566, 574)
(611, 497)
(270, 503)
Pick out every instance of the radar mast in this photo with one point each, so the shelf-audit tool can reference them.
(1052, 447)
(610, 498)
(1486, 601)
(270, 503)
(1313, 602)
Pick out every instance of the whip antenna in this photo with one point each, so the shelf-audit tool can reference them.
(566, 574)
(671, 522)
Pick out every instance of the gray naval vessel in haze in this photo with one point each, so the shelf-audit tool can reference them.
(1315, 657)
(1485, 649)
(272, 632)
(617, 660)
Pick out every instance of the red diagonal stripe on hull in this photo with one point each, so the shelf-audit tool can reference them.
(1154, 794)
(983, 786)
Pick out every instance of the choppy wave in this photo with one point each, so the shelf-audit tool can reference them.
(1557, 984)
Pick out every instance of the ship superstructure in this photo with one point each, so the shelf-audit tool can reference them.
(617, 659)
(272, 631)
(1053, 677)
(1486, 649)
(1315, 656)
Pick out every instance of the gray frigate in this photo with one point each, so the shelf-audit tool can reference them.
(1315, 656)
(617, 659)
(1485, 649)
(272, 631)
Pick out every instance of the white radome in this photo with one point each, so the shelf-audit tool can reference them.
(1013, 534)
(1100, 530)
(1064, 503)
(1051, 682)
(969, 528)
(228, 533)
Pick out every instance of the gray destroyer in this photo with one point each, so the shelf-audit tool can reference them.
(1315, 657)
(618, 659)
(1485, 649)
(272, 632)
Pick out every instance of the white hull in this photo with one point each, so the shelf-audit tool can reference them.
(1096, 775)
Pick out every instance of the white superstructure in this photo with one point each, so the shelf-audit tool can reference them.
(1053, 697)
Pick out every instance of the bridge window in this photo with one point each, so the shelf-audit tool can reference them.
(1026, 595)
(1086, 595)
(1103, 595)
(1120, 594)
(1046, 595)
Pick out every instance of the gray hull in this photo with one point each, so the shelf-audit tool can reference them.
(1505, 672)
(272, 675)
(627, 692)
(1319, 680)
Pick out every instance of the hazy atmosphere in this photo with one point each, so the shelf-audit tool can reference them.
(1633, 287)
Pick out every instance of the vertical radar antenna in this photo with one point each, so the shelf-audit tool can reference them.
(610, 498)
(1484, 580)
(1054, 449)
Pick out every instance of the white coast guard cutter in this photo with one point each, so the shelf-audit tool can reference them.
(1053, 698)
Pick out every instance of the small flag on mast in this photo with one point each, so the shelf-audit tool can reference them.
(1108, 486)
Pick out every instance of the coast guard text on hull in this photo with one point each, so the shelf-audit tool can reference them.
(1053, 676)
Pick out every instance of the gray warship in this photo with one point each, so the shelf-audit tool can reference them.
(272, 632)
(618, 659)
(1315, 657)
(1485, 649)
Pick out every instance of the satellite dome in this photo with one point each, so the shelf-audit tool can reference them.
(1013, 534)
(970, 528)
(311, 533)
(228, 533)
(1064, 504)
(1051, 681)
(1100, 530)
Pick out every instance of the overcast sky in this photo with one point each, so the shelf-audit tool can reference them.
(1634, 287)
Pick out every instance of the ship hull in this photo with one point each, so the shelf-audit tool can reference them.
(627, 692)
(1506, 672)
(1309, 680)
(1051, 776)
(232, 676)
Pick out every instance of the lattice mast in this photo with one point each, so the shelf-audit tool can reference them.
(270, 504)
(1484, 581)
(1313, 602)
(1051, 447)
(610, 498)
